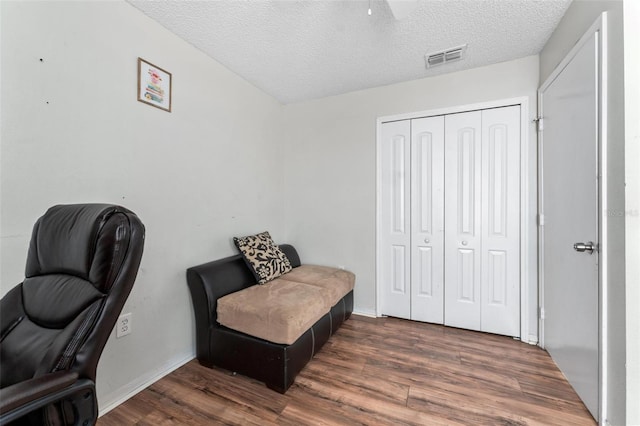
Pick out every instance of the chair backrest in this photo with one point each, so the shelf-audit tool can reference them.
(81, 266)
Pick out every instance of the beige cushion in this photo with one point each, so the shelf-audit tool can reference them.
(279, 311)
(335, 282)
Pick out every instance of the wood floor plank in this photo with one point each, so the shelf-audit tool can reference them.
(127, 414)
(549, 388)
(514, 408)
(206, 402)
(153, 405)
(376, 387)
(525, 369)
(367, 407)
(470, 410)
(437, 370)
(166, 410)
(375, 371)
(237, 390)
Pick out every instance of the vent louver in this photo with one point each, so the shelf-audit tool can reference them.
(444, 56)
(435, 59)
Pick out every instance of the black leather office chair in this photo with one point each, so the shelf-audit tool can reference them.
(81, 265)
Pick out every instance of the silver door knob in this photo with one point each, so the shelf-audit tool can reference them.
(464, 243)
(426, 240)
(589, 247)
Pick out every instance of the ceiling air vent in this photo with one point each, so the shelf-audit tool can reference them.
(442, 57)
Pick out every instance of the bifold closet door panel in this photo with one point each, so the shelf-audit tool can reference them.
(395, 218)
(427, 219)
(462, 245)
(500, 311)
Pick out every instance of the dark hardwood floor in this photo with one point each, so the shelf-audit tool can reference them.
(382, 371)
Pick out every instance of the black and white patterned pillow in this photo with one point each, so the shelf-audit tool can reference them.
(263, 256)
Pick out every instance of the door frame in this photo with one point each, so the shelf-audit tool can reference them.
(599, 27)
(527, 185)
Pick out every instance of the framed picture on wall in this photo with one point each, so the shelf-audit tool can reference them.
(154, 85)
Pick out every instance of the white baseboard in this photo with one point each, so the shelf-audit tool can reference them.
(532, 338)
(120, 395)
(369, 314)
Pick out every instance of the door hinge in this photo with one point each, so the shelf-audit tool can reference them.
(539, 122)
(540, 220)
(541, 313)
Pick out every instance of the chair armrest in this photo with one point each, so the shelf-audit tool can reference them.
(22, 398)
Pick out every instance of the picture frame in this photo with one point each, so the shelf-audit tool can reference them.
(154, 85)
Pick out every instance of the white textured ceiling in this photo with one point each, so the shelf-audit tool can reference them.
(298, 50)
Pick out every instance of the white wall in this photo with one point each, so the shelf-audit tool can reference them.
(330, 178)
(577, 19)
(632, 202)
(73, 131)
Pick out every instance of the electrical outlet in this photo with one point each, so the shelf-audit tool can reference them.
(123, 326)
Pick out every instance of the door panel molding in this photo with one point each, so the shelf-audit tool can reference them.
(424, 156)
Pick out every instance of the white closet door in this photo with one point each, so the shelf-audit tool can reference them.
(450, 220)
(395, 235)
(427, 219)
(500, 289)
(463, 149)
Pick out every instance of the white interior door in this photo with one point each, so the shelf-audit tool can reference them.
(569, 205)
(427, 219)
(500, 259)
(395, 222)
(462, 247)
